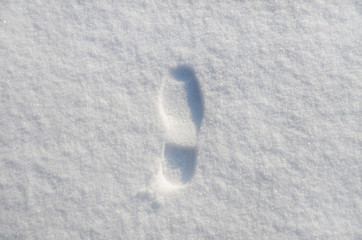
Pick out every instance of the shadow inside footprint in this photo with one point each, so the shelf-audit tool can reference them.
(186, 74)
(181, 162)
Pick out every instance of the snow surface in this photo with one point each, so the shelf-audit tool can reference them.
(270, 126)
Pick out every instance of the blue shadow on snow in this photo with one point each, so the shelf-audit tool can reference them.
(186, 74)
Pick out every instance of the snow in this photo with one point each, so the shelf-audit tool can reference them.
(181, 120)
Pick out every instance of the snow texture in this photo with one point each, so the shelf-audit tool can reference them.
(180, 119)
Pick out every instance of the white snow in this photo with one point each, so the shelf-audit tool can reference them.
(101, 140)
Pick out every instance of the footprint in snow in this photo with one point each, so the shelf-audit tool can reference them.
(182, 110)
